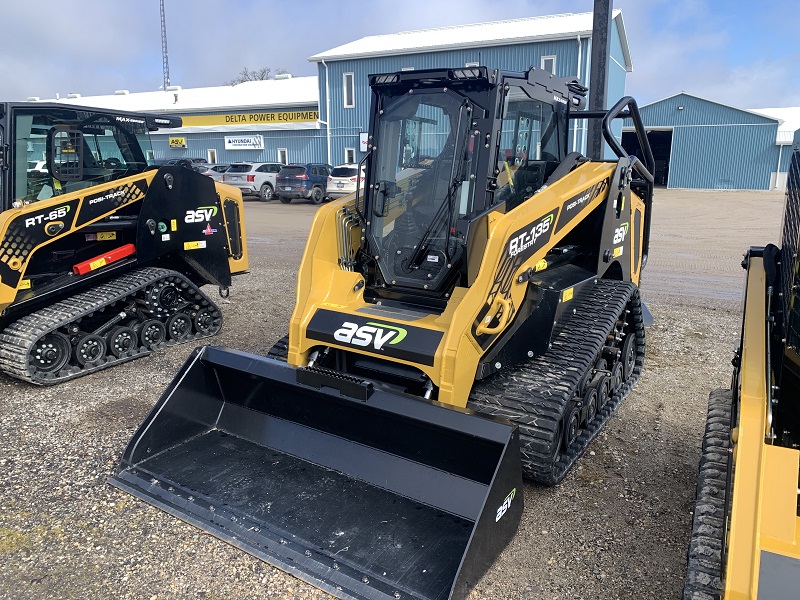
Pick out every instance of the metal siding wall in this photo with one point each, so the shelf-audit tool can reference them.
(347, 123)
(696, 111)
(307, 145)
(724, 157)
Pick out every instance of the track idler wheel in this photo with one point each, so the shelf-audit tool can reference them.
(121, 341)
(152, 333)
(51, 353)
(89, 348)
(179, 326)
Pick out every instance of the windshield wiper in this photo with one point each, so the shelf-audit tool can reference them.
(415, 260)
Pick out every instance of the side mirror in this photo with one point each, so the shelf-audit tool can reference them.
(65, 154)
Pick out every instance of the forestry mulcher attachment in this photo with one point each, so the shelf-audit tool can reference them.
(745, 540)
(472, 317)
(101, 255)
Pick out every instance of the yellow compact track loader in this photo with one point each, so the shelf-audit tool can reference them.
(745, 542)
(470, 316)
(101, 255)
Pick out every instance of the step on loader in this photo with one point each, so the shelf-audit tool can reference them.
(101, 254)
(470, 317)
(745, 541)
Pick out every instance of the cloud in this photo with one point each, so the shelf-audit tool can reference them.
(733, 55)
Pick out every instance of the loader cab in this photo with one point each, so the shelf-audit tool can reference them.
(446, 147)
(55, 149)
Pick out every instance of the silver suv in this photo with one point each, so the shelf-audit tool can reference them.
(254, 178)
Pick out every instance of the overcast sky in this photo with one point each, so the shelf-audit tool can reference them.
(736, 52)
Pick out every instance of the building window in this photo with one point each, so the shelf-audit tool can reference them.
(349, 90)
(349, 155)
(549, 64)
(211, 154)
(283, 156)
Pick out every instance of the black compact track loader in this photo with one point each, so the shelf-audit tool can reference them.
(102, 255)
(470, 317)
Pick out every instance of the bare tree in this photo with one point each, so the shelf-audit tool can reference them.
(255, 75)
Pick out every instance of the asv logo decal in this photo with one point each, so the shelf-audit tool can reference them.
(58, 213)
(203, 213)
(527, 239)
(505, 505)
(375, 334)
(620, 233)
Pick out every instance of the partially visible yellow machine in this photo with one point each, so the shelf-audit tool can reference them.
(745, 542)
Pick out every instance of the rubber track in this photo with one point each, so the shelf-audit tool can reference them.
(18, 339)
(535, 394)
(703, 573)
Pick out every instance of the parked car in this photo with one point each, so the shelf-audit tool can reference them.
(174, 161)
(342, 180)
(37, 166)
(214, 171)
(308, 181)
(254, 178)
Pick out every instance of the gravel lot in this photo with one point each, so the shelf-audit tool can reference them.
(617, 527)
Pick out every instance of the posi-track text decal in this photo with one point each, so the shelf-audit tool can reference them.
(573, 206)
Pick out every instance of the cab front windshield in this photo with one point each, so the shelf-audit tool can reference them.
(425, 168)
(112, 149)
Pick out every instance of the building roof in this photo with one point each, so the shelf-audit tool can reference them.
(514, 31)
(788, 118)
(788, 121)
(272, 93)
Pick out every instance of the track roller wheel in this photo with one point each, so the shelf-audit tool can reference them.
(590, 401)
(51, 353)
(152, 333)
(616, 378)
(89, 349)
(121, 341)
(628, 356)
(204, 321)
(572, 425)
(179, 326)
(600, 384)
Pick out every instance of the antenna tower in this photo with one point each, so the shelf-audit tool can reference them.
(164, 57)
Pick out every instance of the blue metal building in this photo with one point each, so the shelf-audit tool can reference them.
(321, 119)
(702, 144)
(560, 44)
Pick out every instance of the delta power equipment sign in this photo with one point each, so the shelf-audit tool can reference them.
(244, 142)
(276, 118)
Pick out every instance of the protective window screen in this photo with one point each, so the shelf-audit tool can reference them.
(68, 155)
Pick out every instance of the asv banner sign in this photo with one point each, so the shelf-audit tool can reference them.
(244, 142)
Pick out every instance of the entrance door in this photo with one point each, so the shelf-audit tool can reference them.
(660, 144)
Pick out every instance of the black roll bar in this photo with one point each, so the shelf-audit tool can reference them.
(646, 169)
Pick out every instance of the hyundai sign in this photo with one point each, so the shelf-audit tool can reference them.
(244, 142)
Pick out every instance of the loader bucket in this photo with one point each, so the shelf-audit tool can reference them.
(361, 492)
